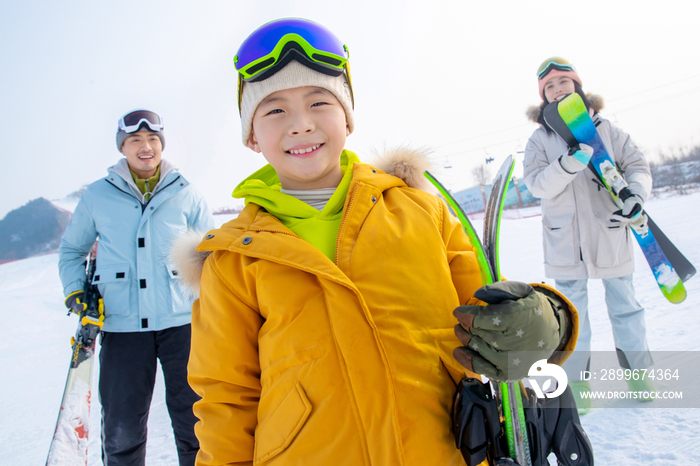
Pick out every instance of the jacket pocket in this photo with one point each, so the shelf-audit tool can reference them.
(613, 245)
(558, 239)
(113, 283)
(276, 431)
(180, 300)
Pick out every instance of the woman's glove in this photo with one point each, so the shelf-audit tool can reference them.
(516, 328)
(633, 204)
(576, 159)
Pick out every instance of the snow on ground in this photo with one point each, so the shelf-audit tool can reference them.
(35, 351)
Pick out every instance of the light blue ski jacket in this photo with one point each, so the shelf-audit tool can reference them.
(139, 285)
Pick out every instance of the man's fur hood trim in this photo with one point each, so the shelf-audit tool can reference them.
(533, 112)
(405, 163)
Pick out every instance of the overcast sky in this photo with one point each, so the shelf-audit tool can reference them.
(452, 76)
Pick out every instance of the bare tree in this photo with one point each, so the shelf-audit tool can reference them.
(482, 175)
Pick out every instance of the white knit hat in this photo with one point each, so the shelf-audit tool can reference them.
(290, 77)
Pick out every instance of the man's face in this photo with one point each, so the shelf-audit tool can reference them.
(301, 133)
(142, 151)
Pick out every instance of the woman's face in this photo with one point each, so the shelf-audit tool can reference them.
(558, 87)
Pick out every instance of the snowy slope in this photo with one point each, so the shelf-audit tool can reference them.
(35, 351)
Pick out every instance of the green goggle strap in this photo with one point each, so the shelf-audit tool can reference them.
(346, 72)
(275, 53)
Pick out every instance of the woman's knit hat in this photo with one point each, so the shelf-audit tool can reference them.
(290, 77)
(553, 67)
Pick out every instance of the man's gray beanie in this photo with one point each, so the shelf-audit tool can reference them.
(122, 135)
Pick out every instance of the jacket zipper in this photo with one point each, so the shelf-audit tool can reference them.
(148, 191)
(342, 222)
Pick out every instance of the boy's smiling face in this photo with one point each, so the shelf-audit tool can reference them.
(301, 133)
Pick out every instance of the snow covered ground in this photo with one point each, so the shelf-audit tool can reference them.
(35, 351)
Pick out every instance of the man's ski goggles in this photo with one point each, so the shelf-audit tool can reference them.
(273, 45)
(554, 64)
(132, 121)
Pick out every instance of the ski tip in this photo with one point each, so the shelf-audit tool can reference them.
(675, 295)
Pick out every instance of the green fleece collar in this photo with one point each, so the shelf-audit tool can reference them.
(318, 228)
(141, 183)
(263, 188)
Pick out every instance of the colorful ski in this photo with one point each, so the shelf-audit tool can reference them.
(70, 441)
(487, 258)
(569, 117)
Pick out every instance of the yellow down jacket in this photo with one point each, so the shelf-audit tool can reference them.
(302, 361)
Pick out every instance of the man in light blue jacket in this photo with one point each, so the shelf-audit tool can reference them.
(136, 212)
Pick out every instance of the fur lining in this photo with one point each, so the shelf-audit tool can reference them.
(596, 102)
(188, 261)
(407, 164)
(533, 112)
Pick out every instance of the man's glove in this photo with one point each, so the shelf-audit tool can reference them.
(516, 319)
(74, 302)
(98, 320)
(576, 159)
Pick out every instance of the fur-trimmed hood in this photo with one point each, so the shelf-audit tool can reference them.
(533, 112)
(405, 163)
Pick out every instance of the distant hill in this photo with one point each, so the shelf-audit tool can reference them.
(35, 228)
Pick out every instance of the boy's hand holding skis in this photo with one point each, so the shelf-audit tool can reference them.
(516, 318)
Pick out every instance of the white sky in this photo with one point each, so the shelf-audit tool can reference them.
(452, 76)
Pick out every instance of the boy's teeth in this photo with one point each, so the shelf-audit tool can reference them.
(304, 151)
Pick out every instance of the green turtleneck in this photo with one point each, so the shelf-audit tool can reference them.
(318, 228)
(141, 183)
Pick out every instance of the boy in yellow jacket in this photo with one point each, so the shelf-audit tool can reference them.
(324, 330)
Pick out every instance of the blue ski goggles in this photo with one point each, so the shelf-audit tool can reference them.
(273, 45)
(132, 121)
(554, 63)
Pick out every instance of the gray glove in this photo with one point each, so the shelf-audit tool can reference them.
(517, 319)
(576, 159)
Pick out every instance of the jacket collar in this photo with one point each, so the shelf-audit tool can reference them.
(255, 219)
(121, 169)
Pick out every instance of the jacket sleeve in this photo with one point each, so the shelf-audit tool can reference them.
(224, 370)
(567, 315)
(632, 161)
(464, 267)
(545, 180)
(76, 242)
(201, 218)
